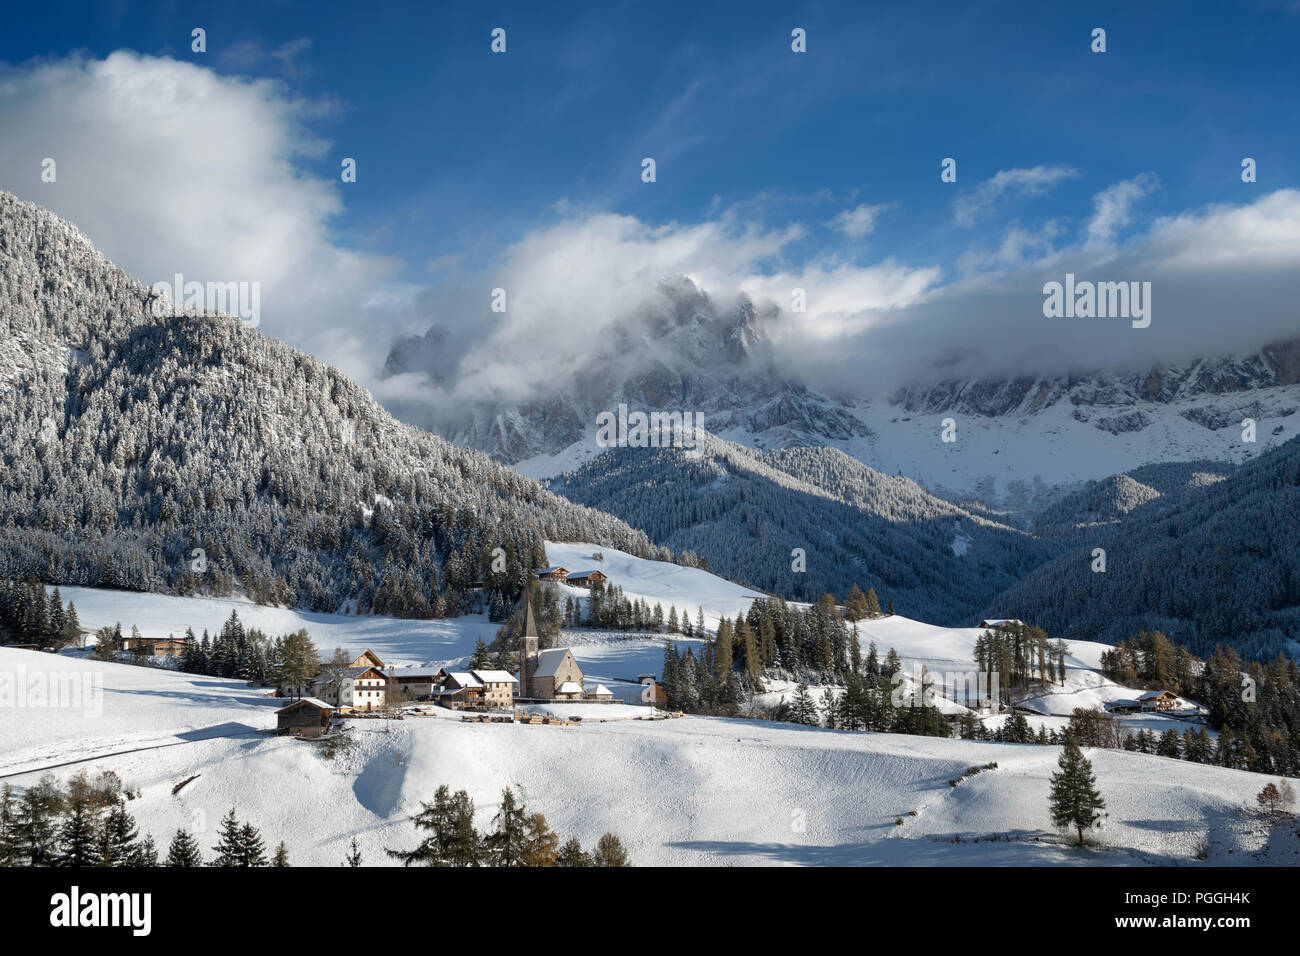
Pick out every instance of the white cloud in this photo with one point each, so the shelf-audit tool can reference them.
(1033, 181)
(169, 167)
(859, 221)
(1113, 207)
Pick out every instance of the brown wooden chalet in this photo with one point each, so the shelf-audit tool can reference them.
(586, 579)
(307, 717)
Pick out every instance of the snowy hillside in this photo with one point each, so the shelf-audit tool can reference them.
(614, 658)
(752, 514)
(656, 581)
(686, 791)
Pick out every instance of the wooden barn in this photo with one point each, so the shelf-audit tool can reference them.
(586, 579)
(553, 574)
(307, 717)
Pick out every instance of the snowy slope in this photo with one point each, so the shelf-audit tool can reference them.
(678, 792)
(657, 581)
(611, 657)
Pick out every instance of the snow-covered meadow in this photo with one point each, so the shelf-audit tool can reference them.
(682, 791)
(678, 792)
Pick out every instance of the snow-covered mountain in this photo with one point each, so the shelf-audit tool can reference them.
(198, 454)
(681, 350)
(1212, 561)
(1019, 443)
(804, 521)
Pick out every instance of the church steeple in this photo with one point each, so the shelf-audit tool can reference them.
(527, 649)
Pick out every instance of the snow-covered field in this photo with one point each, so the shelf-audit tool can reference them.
(684, 791)
(616, 659)
(678, 792)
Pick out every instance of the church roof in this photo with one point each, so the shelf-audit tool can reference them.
(530, 626)
(549, 661)
(569, 687)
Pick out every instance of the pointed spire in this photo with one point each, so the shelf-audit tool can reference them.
(530, 626)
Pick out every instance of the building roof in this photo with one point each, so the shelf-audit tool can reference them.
(496, 677)
(602, 691)
(999, 622)
(530, 626)
(313, 701)
(1156, 694)
(549, 661)
(579, 575)
(569, 687)
(552, 570)
(464, 679)
(414, 673)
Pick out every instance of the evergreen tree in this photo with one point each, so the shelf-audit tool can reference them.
(35, 828)
(146, 853)
(8, 820)
(1074, 801)
(507, 843)
(572, 853)
(281, 857)
(480, 659)
(353, 858)
(79, 835)
(184, 851)
(228, 849)
(117, 845)
(252, 851)
(803, 709)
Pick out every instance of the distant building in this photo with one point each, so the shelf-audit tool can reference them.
(154, 646)
(306, 717)
(1159, 700)
(498, 688)
(367, 658)
(586, 579)
(361, 688)
(553, 574)
(601, 692)
(552, 674)
(460, 690)
(556, 676)
(1001, 624)
(413, 683)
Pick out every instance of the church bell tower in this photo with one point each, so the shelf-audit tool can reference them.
(527, 649)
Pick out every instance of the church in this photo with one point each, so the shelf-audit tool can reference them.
(552, 674)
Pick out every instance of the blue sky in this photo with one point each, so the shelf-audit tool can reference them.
(474, 168)
(460, 149)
